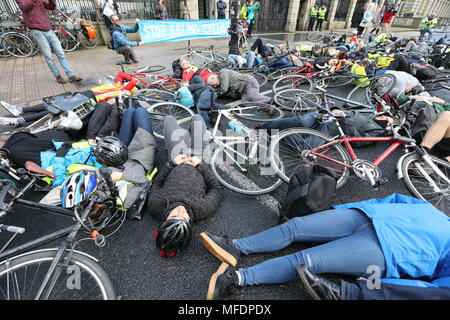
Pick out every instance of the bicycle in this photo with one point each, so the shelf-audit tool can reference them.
(53, 270)
(316, 36)
(153, 80)
(71, 38)
(205, 58)
(426, 176)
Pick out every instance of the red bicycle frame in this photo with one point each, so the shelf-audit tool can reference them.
(347, 140)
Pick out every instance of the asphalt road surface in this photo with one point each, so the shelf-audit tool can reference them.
(132, 261)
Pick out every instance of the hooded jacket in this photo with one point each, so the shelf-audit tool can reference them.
(414, 237)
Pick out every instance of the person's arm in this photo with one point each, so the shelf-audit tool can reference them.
(132, 29)
(207, 205)
(121, 40)
(26, 5)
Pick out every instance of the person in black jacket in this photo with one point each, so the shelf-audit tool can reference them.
(185, 189)
(221, 7)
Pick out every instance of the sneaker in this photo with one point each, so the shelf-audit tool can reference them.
(75, 78)
(317, 287)
(5, 121)
(14, 110)
(222, 248)
(60, 80)
(223, 282)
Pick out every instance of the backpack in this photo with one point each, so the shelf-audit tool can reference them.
(177, 70)
(419, 117)
(311, 189)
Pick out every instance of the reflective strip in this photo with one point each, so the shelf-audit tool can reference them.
(122, 185)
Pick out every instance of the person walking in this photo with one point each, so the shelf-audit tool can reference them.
(161, 10)
(366, 18)
(321, 16)
(36, 19)
(312, 16)
(221, 7)
(251, 8)
(387, 19)
(376, 20)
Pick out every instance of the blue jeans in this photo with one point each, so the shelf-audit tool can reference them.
(349, 245)
(204, 105)
(47, 42)
(250, 57)
(427, 30)
(281, 64)
(134, 118)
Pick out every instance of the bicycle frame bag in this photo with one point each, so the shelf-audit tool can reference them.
(311, 189)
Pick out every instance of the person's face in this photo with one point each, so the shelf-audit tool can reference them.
(282, 46)
(179, 212)
(214, 82)
(115, 20)
(333, 62)
(184, 64)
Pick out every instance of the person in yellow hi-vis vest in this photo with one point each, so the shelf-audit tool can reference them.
(321, 16)
(359, 70)
(426, 26)
(312, 16)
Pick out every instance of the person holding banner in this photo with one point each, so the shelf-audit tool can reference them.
(121, 44)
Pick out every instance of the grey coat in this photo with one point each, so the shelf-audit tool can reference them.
(232, 83)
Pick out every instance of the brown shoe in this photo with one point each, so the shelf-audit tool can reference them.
(60, 79)
(75, 78)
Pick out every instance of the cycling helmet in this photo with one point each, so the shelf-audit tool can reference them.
(172, 236)
(111, 151)
(77, 188)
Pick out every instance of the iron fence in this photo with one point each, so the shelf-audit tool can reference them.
(142, 9)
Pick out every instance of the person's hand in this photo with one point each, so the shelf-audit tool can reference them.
(140, 43)
(116, 175)
(193, 161)
(180, 159)
(92, 141)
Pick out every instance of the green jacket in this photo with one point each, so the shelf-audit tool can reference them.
(251, 11)
(439, 107)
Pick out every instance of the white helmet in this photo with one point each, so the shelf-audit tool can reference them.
(77, 188)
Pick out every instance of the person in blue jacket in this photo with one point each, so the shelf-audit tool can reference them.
(121, 44)
(394, 238)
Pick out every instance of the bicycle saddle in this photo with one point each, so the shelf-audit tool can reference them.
(35, 168)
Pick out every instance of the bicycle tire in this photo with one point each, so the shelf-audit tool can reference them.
(338, 81)
(418, 185)
(169, 84)
(315, 36)
(275, 75)
(87, 42)
(298, 141)
(257, 111)
(379, 85)
(159, 111)
(297, 100)
(155, 94)
(38, 262)
(17, 45)
(195, 59)
(3, 53)
(292, 82)
(250, 182)
(260, 77)
(71, 42)
(150, 69)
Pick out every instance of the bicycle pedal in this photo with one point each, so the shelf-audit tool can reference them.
(380, 183)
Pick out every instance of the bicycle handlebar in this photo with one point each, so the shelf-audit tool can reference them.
(13, 229)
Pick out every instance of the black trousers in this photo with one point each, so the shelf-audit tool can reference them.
(104, 121)
(319, 24)
(311, 23)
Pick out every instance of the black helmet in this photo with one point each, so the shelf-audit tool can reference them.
(111, 151)
(172, 236)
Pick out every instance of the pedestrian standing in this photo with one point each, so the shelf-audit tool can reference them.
(427, 25)
(36, 19)
(376, 20)
(161, 11)
(312, 16)
(387, 18)
(366, 18)
(109, 7)
(221, 7)
(251, 8)
(321, 16)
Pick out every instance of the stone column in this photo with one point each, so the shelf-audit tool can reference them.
(331, 13)
(189, 9)
(351, 10)
(291, 20)
(102, 32)
(303, 14)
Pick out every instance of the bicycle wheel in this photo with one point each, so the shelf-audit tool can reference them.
(338, 80)
(85, 41)
(169, 84)
(68, 41)
(3, 53)
(315, 36)
(261, 78)
(236, 170)
(291, 150)
(17, 45)
(257, 111)
(154, 94)
(195, 59)
(378, 85)
(159, 111)
(292, 82)
(283, 72)
(423, 182)
(80, 277)
(297, 100)
(150, 69)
